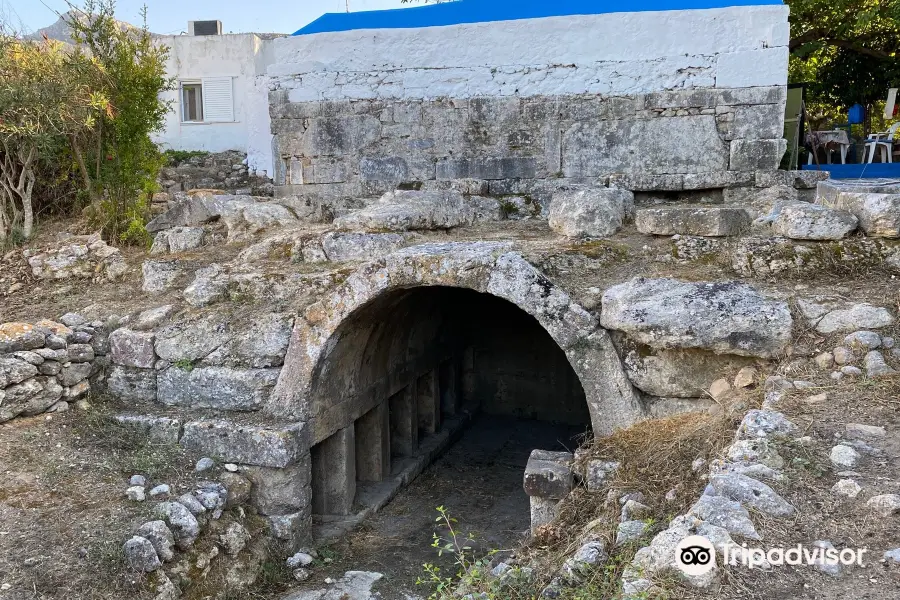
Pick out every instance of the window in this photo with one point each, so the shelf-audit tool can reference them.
(210, 100)
(192, 102)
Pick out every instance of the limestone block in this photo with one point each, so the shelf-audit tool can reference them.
(597, 212)
(804, 180)
(334, 470)
(132, 348)
(294, 528)
(162, 430)
(804, 221)
(261, 343)
(391, 168)
(510, 167)
(712, 221)
(878, 214)
(280, 491)
(549, 474)
(652, 146)
(407, 210)
(129, 383)
(245, 444)
(754, 154)
(677, 373)
(543, 511)
(343, 246)
(191, 340)
(761, 121)
(725, 317)
(216, 387)
(720, 179)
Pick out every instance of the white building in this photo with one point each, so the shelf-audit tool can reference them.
(220, 101)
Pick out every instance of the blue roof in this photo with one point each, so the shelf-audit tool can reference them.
(481, 11)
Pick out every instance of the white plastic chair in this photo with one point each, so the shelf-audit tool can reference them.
(883, 140)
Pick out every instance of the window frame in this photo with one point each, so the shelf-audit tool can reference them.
(198, 83)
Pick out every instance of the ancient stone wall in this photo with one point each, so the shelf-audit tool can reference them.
(226, 171)
(479, 108)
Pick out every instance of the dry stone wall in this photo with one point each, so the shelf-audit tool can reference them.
(47, 365)
(226, 171)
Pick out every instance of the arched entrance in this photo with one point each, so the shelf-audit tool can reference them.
(412, 360)
(405, 341)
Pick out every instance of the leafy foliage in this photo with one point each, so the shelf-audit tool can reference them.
(119, 163)
(41, 104)
(847, 50)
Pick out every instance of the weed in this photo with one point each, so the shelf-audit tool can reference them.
(185, 364)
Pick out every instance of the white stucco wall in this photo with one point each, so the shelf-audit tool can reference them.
(614, 54)
(245, 57)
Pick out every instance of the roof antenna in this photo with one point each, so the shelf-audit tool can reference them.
(347, 2)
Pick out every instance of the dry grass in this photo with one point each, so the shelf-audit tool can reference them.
(656, 457)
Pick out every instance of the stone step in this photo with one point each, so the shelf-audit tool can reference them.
(709, 221)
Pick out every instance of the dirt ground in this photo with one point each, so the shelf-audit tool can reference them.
(478, 481)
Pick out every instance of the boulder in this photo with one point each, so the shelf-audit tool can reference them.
(160, 275)
(595, 212)
(13, 371)
(711, 221)
(405, 210)
(182, 523)
(160, 536)
(141, 555)
(177, 239)
(726, 317)
(804, 221)
(188, 212)
(752, 493)
(725, 513)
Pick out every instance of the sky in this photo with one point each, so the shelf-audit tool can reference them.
(171, 16)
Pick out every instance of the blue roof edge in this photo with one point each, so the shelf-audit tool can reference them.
(484, 11)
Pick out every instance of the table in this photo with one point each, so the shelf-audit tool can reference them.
(828, 140)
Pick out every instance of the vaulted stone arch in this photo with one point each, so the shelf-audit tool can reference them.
(486, 267)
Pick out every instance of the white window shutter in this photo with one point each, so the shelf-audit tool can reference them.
(218, 100)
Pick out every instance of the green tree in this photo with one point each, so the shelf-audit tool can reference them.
(848, 51)
(119, 162)
(41, 105)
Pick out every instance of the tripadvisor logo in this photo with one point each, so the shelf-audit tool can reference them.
(695, 555)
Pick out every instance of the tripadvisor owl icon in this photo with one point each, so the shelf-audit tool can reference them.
(695, 555)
